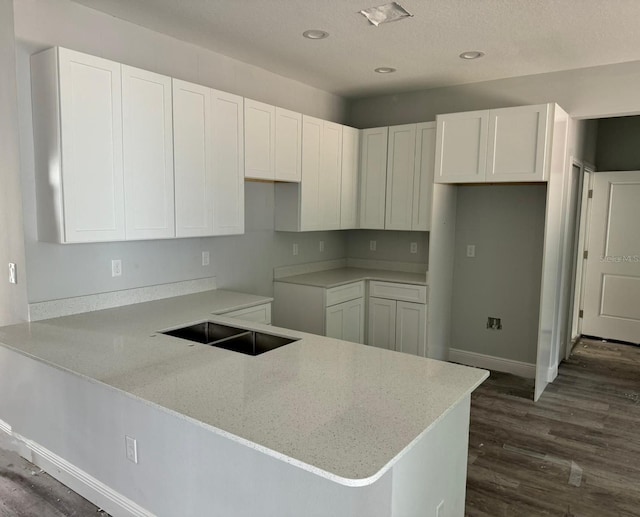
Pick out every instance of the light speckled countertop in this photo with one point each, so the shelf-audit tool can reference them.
(335, 277)
(341, 410)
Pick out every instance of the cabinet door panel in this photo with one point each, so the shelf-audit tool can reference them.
(260, 128)
(228, 162)
(423, 176)
(518, 143)
(373, 177)
(288, 142)
(349, 185)
(194, 179)
(353, 324)
(330, 175)
(411, 326)
(148, 154)
(335, 321)
(400, 177)
(461, 147)
(311, 174)
(91, 126)
(382, 323)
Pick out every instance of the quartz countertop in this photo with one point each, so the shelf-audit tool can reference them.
(335, 277)
(341, 410)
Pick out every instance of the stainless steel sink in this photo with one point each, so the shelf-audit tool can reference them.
(245, 341)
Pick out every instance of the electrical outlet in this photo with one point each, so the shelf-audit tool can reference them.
(131, 448)
(295, 249)
(13, 275)
(494, 323)
(471, 250)
(205, 258)
(321, 246)
(116, 267)
(440, 509)
(373, 245)
(413, 248)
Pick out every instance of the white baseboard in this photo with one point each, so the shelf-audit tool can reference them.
(490, 362)
(76, 479)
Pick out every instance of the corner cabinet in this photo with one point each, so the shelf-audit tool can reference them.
(77, 109)
(349, 180)
(317, 202)
(500, 145)
(397, 177)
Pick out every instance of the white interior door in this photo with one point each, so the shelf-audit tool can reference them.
(612, 280)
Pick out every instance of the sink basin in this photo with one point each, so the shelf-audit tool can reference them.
(206, 332)
(245, 341)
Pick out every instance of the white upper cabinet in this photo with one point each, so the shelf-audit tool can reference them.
(310, 218)
(396, 169)
(193, 156)
(349, 185)
(461, 147)
(148, 154)
(423, 176)
(227, 124)
(77, 103)
(329, 195)
(260, 130)
(500, 145)
(288, 146)
(400, 177)
(373, 177)
(518, 143)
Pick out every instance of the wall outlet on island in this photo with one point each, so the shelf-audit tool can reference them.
(413, 247)
(131, 449)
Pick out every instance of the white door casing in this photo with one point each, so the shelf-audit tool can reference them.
(612, 279)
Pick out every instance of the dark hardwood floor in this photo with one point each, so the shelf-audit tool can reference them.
(576, 452)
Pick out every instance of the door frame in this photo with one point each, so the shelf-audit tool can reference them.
(587, 170)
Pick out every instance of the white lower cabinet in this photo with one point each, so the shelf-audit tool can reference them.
(346, 321)
(256, 314)
(394, 322)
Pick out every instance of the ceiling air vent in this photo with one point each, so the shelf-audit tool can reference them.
(385, 13)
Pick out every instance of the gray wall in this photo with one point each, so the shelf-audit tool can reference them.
(244, 263)
(13, 298)
(390, 245)
(506, 224)
(617, 144)
(595, 92)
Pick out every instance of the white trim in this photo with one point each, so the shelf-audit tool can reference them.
(490, 362)
(552, 373)
(78, 480)
(95, 302)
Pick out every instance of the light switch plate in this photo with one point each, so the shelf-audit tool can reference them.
(413, 248)
(373, 245)
(471, 250)
(205, 258)
(131, 448)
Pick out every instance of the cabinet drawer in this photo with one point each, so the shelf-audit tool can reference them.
(257, 314)
(395, 291)
(344, 293)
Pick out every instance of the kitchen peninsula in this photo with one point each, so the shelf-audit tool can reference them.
(319, 427)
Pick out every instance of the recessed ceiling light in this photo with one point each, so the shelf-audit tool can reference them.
(385, 70)
(315, 34)
(471, 54)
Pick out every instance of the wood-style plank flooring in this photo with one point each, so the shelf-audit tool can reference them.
(576, 452)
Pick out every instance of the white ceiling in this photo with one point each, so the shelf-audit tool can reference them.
(519, 37)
